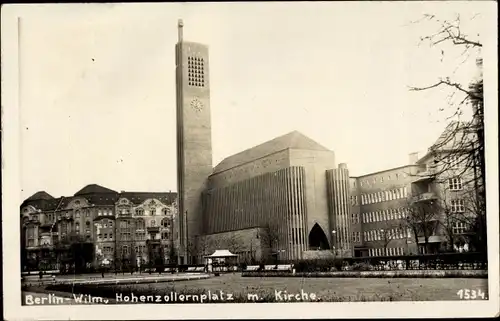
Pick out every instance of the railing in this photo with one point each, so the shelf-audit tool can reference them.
(442, 261)
(424, 197)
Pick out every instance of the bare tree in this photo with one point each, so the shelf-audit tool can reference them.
(386, 234)
(465, 140)
(460, 149)
(271, 239)
(421, 219)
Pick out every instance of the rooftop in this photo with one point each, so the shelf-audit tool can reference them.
(292, 140)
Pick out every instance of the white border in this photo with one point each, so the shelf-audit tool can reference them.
(11, 200)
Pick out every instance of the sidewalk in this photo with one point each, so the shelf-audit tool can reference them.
(111, 278)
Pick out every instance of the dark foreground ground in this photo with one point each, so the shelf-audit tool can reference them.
(274, 289)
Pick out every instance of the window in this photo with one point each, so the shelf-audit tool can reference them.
(459, 228)
(455, 183)
(110, 236)
(140, 224)
(164, 211)
(139, 212)
(87, 213)
(153, 223)
(457, 206)
(454, 161)
(99, 212)
(153, 211)
(77, 214)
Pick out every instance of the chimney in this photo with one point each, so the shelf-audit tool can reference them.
(413, 158)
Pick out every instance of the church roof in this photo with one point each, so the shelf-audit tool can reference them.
(292, 140)
(95, 189)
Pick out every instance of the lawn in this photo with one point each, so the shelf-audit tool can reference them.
(327, 289)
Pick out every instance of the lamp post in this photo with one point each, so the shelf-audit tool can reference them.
(278, 255)
(334, 239)
(383, 239)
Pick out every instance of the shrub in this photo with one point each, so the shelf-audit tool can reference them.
(361, 266)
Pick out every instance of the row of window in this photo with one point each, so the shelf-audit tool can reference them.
(87, 232)
(459, 228)
(383, 235)
(140, 223)
(105, 212)
(455, 184)
(356, 237)
(385, 215)
(105, 237)
(391, 251)
(457, 206)
(383, 196)
(140, 236)
(108, 249)
(152, 212)
(382, 179)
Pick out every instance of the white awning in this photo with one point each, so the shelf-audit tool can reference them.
(222, 253)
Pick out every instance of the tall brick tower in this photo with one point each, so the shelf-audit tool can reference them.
(194, 142)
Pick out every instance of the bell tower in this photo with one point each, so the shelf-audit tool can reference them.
(194, 139)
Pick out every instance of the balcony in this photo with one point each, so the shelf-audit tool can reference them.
(425, 176)
(153, 229)
(46, 224)
(424, 197)
(432, 239)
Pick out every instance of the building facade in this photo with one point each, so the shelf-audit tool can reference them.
(292, 189)
(284, 200)
(111, 228)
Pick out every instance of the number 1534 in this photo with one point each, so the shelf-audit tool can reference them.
(469, 294)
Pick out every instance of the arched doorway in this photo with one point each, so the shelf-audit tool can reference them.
(318, 239)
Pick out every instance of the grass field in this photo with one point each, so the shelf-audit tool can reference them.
(327, 289)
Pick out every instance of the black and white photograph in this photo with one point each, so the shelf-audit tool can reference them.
(194, 160)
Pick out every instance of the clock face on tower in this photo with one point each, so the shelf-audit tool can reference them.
(196, 104)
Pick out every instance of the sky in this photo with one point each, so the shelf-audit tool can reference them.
(97, 85)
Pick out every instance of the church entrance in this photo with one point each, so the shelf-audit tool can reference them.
(318, 239)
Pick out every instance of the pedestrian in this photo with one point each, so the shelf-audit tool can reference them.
(40, 274)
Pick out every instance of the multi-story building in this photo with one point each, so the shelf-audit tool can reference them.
(380, 201)
(117, 226)
(290, 187)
